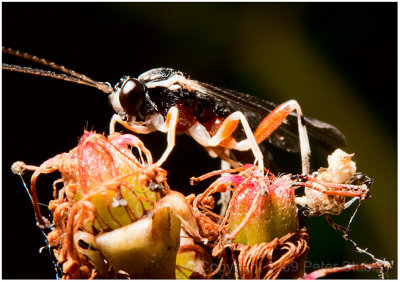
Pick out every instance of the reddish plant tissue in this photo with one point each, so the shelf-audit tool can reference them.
(258, 238)
(114, 216)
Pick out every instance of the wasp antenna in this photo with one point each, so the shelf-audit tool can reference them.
(40, 72)
(79, 78)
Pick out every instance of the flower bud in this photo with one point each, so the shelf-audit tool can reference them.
(272, 207)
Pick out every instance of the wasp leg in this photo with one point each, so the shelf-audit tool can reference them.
(224, 138)
(225, 196)
(275, 118)
(350, 202)
(223, 154)
(141, 129)
(170, 127)
(347, 190)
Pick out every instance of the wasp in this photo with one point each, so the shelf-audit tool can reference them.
(170, 101)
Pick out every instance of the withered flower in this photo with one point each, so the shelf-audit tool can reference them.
(114, 215)
(259, 237)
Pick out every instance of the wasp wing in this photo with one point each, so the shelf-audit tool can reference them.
(285, 137)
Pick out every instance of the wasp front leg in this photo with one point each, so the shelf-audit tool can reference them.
(169, 127)
(137, 128)
(157, 123)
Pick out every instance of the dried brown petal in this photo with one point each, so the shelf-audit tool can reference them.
(280, 258)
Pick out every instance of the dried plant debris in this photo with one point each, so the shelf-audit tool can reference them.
(262, 214)
(107, 221)
(113, 215)
(332, 200)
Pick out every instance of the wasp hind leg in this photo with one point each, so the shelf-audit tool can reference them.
(275, 118)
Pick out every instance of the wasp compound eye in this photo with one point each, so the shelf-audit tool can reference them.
(131, 95)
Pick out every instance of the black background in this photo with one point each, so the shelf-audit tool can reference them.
(338, 60)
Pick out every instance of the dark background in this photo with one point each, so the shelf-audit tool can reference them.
(338, 60)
